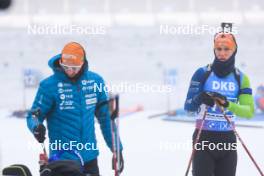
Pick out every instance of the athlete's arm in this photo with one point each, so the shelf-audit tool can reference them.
(245, 105)
(195, 88)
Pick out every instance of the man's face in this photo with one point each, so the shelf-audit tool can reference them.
(71, 70)
(223, 53)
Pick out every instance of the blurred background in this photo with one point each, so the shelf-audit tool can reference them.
(125, 41)
(152, 42)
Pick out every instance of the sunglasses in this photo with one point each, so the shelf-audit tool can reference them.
(224, 49)
(73, 67)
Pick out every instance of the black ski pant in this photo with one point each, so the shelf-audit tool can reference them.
(91, 168)
(210, 161)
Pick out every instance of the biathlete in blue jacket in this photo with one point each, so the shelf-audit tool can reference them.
(69, 100)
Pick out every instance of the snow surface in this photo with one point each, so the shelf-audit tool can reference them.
(151, 147)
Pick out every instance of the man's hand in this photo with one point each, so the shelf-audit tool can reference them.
(39, 133)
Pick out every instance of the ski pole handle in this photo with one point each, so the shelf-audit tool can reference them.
(115, 113)
(36, 114)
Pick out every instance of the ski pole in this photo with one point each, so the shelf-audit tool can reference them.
(240, 139)
(114, 148)
(114, 115)
(35, 114)
(115, 137)
(195, 142)
(117, 133)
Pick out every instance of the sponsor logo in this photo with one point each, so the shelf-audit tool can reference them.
(88, 88)
(69, 96)
(60, 90)
(195, 83)
(66, 103)
(62, 96)
(91, 101)
(85, 82)
(211, 124)
(90, 95)
(60, 84)
(66, 107)
(68, 56)
(223, 86)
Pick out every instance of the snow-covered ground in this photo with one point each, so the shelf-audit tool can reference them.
(151, 147)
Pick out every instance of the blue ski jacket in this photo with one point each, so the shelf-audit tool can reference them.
(69, 107)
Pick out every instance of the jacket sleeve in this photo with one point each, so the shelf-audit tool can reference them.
(103, 115)
(245, 106)
(196, 87)
(44, 102)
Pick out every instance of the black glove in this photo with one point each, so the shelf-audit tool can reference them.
(204, 98)
(219, 98)
(39, 133)
(121, 163)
